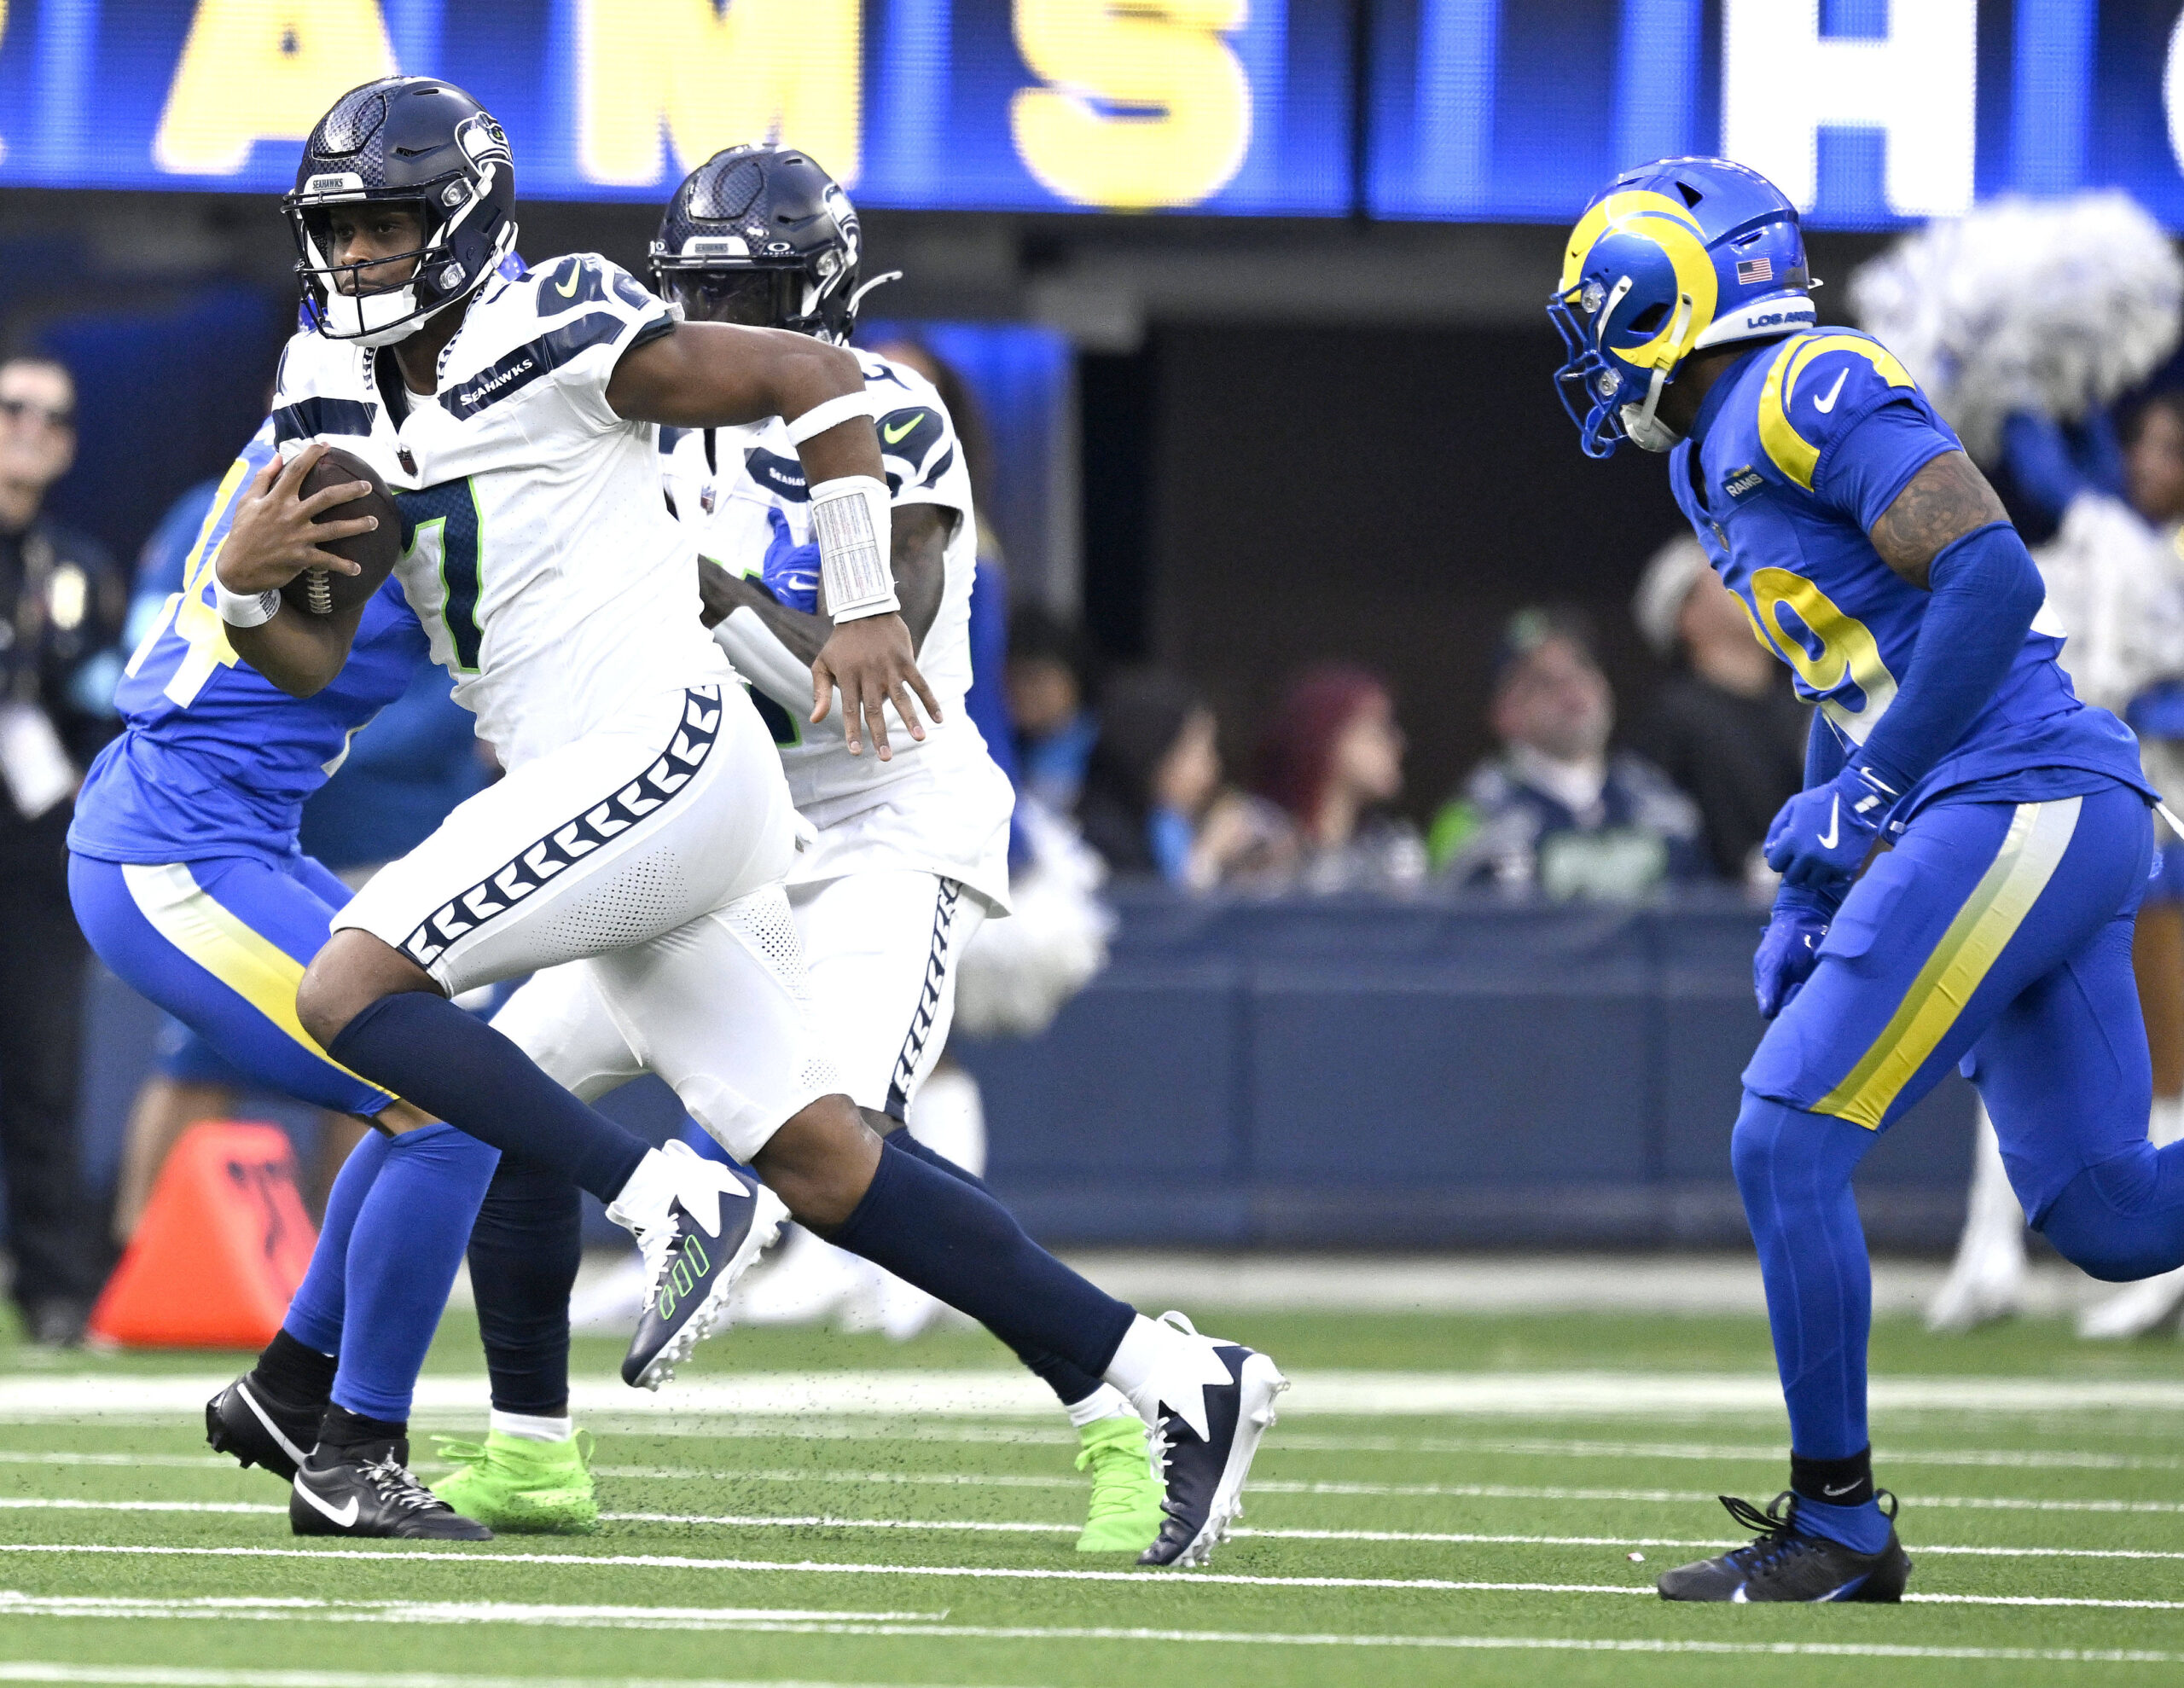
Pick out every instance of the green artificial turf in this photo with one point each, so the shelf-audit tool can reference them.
(655, 1600)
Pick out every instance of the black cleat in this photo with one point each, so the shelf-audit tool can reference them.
(1206, 1425)
(259, 1429)
(700, 1225)
(1784, 1563)
(368, 1490)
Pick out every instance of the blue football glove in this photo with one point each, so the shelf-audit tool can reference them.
(1820, 838)
(1789, 949)
(790, 572)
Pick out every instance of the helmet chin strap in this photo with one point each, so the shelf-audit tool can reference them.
(1641, 423)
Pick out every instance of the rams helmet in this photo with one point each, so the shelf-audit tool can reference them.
(1668, 259)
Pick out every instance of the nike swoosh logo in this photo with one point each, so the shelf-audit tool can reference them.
(1830, 1493)
(896, 436)
(272, 1429)
(1833, 835)
(575, 275)
(1827, 404)
(344, 1515)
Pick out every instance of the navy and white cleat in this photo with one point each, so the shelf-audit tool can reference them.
(259, 1430)
(1786, 1564)
(1206, 1421)
(699, 1226)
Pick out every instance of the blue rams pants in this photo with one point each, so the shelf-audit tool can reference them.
(1996, 936)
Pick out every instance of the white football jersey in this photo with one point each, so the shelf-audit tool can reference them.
(942, 803)
(555, 586)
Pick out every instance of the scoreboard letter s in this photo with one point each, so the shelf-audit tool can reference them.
(1145, 103)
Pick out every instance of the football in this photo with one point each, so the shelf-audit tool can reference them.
(320, 592)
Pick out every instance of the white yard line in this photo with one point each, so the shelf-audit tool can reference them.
(996, 1394)
(1020, 1573)
(228, 1676)
(172, 1677)
(1293, 1486)
(994, 1527)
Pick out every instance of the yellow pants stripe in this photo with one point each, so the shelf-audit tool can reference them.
(258, 970)
(2039, 834)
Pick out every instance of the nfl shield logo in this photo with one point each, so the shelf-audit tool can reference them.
(705, 498)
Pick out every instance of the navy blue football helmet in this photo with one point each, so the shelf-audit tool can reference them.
(764, 237)
(423, 145)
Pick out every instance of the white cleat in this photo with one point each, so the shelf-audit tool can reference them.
(2139, 1309)
(1208, 1415)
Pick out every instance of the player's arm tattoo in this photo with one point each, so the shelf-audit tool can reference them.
(1943, 501)
(921, 532)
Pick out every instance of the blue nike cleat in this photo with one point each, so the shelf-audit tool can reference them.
(1786, 1564)
(700, 1225)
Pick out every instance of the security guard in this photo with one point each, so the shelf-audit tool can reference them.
(61, 605)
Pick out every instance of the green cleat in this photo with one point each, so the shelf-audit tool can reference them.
(1125, 1515)
(513, 1484)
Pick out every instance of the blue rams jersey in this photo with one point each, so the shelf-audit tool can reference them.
(217, 760)
(1797, 450)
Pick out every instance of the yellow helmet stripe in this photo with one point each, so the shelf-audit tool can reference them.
(1793, 454)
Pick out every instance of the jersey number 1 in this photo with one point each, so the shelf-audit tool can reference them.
(452, 508)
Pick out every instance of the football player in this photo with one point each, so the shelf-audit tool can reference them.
(911, 853)
(187, 877)
(1960, 874)
(644, 826)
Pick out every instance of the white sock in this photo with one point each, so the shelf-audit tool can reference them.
(648, 1189)
(1105, 1402)
(1147, 1349)
(531, 1427)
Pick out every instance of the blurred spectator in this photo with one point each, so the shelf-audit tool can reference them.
(1331, 756)
(1049, 677)
(1726, 727)
(1555, 811)
(1152, 803)
(63, 602)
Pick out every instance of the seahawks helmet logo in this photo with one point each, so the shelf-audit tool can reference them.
(483, 140)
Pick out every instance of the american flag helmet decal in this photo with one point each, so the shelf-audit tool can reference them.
(1751, 270)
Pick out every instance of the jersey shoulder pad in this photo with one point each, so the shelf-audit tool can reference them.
(586, 278)
(1816, 387)
(917, 437)
(321, 390)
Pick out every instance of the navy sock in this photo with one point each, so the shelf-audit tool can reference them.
(959, 1245)
(1794, 1170)
(1071, 1384)
(403, 1255)
(315, 1310)
(454, 1065)
(523, 1253)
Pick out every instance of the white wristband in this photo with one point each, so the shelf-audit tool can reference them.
(849, 518)
(831, 415)
(243, 609)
